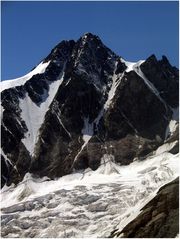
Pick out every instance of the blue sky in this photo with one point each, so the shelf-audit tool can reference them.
(133, 30)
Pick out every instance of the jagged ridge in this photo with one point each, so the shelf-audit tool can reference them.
(86, 101)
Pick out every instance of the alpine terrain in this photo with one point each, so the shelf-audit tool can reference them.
(90, 146)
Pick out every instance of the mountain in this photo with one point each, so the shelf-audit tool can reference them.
(159, 218)
(88, 140)
(80, 102)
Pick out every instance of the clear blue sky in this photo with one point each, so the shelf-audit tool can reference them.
(133, 30)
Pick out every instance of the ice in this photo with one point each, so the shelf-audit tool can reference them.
(87, 130)
(131, 65)
(135, 66)
(149, 84)
(33, 114)
(57, 112)
(85, 203)
(68, 81)
(173, 124)
(5, 157)
(116, 79)
(166, 147)
(108, 165)
(87, 133)
(89, 206)
(22, 80)
(1, 113)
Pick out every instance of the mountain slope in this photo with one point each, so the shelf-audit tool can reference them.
(87, 203)
(159, 218)
(81, 102)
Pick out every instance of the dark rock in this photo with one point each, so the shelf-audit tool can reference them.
(164, 77)
(14, 208)
(159, 218)
(133, 126)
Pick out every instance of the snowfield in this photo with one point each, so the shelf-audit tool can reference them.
(33, 114)
(39, 69)
(86, 203)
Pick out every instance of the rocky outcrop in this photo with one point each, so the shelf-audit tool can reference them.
(87, 103)
(159, 218)
(164, 77)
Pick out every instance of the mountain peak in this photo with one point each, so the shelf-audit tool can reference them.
(82, 90)
(89, 37)
(85, 111)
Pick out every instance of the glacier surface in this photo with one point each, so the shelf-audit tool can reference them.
(86, 203)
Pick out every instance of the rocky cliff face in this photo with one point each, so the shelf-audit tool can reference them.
(159, 218)
(81, 102)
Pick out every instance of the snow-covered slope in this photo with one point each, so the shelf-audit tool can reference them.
(39, 69)
(86, 203)
(34, 114)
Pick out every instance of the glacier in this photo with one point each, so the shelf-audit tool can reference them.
(85, 203)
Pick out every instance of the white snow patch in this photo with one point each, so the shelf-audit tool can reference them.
(166, 147)
(108, 165)
(135, 66)
(149, 84)
(7, 129)
(87, 133)
(33, 115)
(5, 157)
(1, 113)
(116, 79)
(22, 80)
(57, 112)
(87, 130)
(131, 65)
(173, 124)
(68, 81)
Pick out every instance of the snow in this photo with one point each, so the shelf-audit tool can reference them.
(114, 86)
(33, 114)
(88, 203)
(116, 80)
(150, 85)
(87, 133)
(129, 123)
(57, 112)
(85, 203)
(7, 129)
(168, 163)
(131, 65)
(68, 81)
(87, 130)
(135, 66)
(108, 172)
(1, 113)
(165, 147)
(40, 69)
(173, 124)
(5, 157)
(109, 165)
